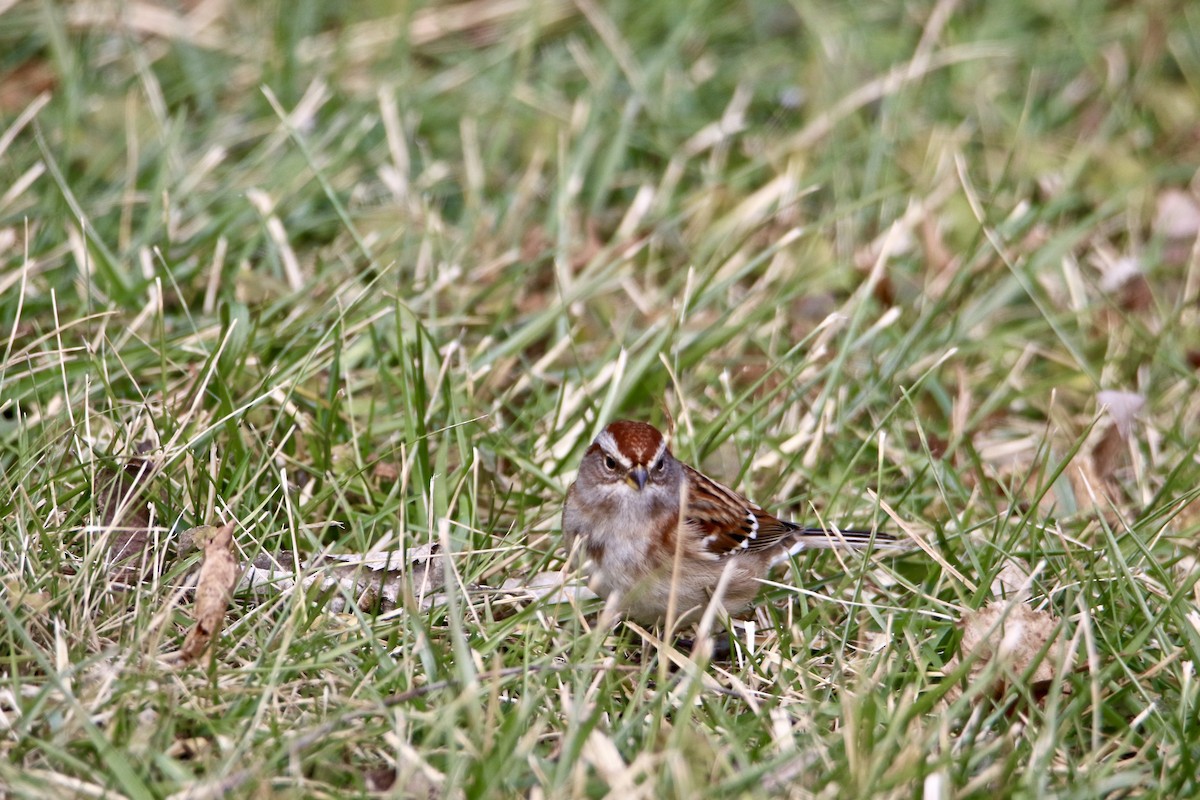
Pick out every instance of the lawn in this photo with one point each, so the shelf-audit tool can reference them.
(365, 281)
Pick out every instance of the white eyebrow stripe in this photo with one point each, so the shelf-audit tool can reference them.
(662, 448)
(609, 445)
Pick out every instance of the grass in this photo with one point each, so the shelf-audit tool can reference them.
(366, 279)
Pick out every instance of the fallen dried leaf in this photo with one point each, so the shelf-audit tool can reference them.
(1177, 221)
(383, 576)
(938, 256)
(36, 602)
(122, 507)
(1012, 580)
(388, 579)
(386, 472)
(214, 587)
(1022, 640)
(372, 579)
(1177, 215)
(1122, 408)
(20, 86)
(1106, 455)
(189, 748)
(1124, 279)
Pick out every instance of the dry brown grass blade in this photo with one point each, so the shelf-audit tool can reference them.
(150, 20)
(920, 540)
(480, 21)
(887, 84)
(214, 587)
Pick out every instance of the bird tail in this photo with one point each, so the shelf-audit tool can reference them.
(834, 537)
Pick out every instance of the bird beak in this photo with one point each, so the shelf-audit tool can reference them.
(637, 477)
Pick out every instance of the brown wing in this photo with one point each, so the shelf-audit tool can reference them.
(726, 523)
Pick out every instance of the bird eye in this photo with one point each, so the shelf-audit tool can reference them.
(610, 463)
(660, 465)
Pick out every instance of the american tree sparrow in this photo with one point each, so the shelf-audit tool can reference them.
(651, 526)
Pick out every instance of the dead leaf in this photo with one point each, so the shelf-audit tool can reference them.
(189, 748)
(123, 508)
(1177, 215)
(552, 587)
(413, 781)
(379, 779)
(1018, 638)
(938, 257)
(1106, 455)
(214, 588)
(20, 86)
(1136, 294)
(1177, 221)
(1093, 473)
(383, 576)
(386, 472)
(1124, 279)
(1012, 581)
(1122, 409)
(37, 602)
(372, 579)
(388, 580)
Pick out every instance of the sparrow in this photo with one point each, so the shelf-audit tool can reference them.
(658, 534)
